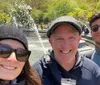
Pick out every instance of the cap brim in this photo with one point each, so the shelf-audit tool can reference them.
(52, 27)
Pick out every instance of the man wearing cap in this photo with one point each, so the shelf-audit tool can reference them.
(64, 64)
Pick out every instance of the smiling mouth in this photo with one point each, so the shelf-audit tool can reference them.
(8, 67)
(65, 52)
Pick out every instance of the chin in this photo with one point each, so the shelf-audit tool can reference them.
(9, 79)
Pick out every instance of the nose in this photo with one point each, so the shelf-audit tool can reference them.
(12, 57)
(65, 44)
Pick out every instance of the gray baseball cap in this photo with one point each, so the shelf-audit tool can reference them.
(61, 20)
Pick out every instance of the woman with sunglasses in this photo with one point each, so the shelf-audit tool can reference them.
(14, 54)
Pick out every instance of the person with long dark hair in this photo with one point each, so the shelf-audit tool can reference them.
(15, 68)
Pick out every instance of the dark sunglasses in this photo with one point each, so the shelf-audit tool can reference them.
(95, 28)
(21, 54)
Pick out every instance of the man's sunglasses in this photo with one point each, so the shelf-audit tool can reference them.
(21, 54)
(95, 28)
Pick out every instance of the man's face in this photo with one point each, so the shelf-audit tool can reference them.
(64, 41)
(96, 35)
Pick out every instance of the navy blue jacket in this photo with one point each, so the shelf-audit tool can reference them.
(85, 72)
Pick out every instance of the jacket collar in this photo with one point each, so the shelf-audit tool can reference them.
(97, 50)
(78, 58)
(51, 62)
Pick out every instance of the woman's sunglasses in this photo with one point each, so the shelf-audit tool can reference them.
(95, 28)
(21, 54)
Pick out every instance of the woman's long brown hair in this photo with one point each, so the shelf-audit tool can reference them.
(31, 77)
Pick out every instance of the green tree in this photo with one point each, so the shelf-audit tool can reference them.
(4, 18)
(81, 14)
(21, 16)
(59, 8)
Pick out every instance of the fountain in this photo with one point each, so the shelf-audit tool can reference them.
(29, 24)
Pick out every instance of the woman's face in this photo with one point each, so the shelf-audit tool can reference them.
(10, 67)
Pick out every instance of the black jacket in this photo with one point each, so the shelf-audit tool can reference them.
(85, 72)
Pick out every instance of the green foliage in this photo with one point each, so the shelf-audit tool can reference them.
(98, 6)
(4, 18)
(37, 15)
(59, 8)
(83, 6)
(43, 11)
(22, 16)
(81, 14)
(4, 6)
(4, 15)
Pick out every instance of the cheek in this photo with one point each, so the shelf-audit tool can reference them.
(17, 62)
(53, 43)
(94, 34)
(2, 59)
(75, 44)
(21, 64)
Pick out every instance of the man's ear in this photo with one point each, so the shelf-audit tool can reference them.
(50, 41)
(80, 37)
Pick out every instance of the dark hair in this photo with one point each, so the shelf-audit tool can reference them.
(94, 17)
(31, 77)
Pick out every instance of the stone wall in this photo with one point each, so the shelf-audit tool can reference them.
(32, 33)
